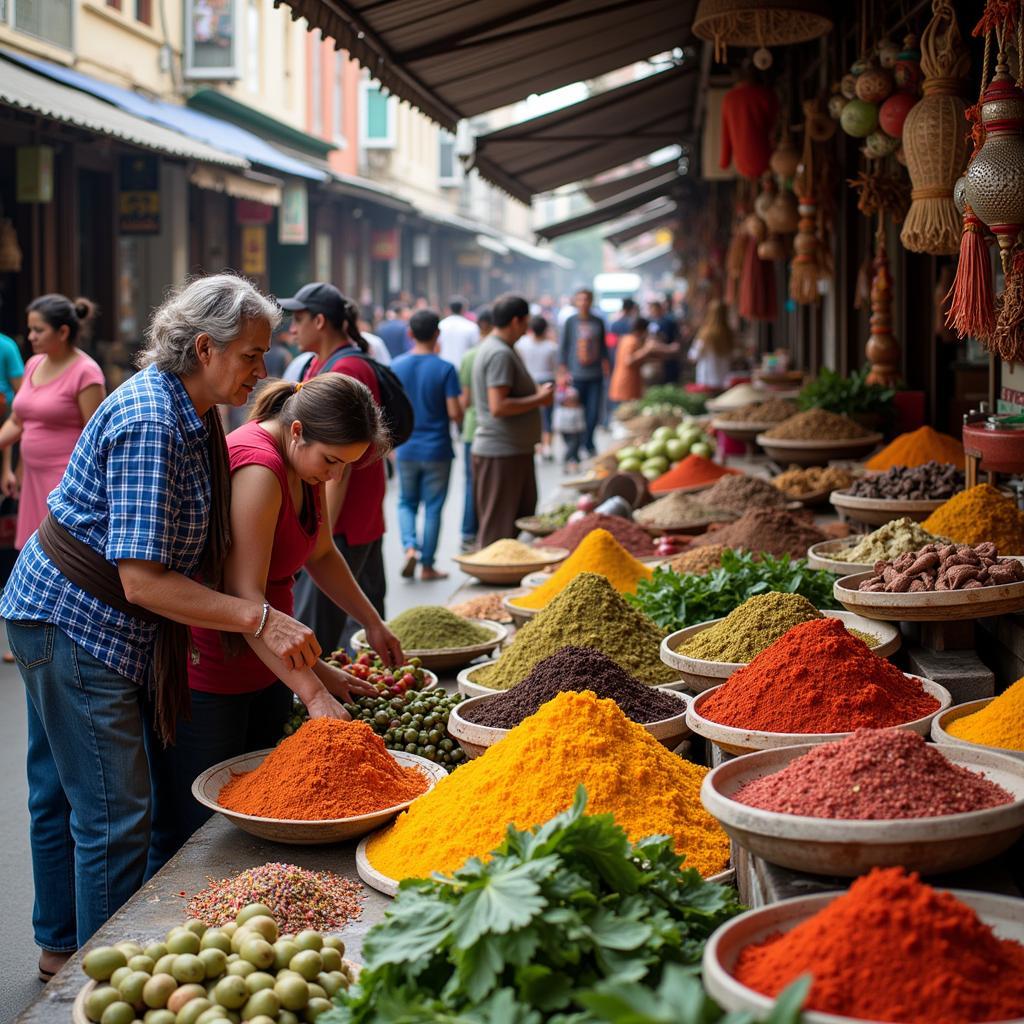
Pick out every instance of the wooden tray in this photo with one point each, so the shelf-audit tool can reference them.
(475, 739)
(448, 658)
(546, 558)
(818, 557)
(879, 511)
(804, 452)
(468, 688)
(930, 606)
(746, 741)
(850, 847)
(702, 674)
(208, 785)
(1005, 914)
(939, 734)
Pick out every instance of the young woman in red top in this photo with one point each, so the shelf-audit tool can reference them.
(300, 437)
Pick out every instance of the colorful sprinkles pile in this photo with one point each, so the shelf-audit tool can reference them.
(300, 899)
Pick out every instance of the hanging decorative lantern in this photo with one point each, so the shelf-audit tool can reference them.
(934, 140)
(859, 119)
(874, 85)
(806, 268)
(907, 68)
(995, 178)
(765, 23)
(785, 157)
(892, 114)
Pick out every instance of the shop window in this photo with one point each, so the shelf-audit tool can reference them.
(449, 172)
(116, 4)
(377, 120)
(211, 43)
(46, 19)
(144, 11)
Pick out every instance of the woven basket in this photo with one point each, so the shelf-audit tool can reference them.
(935, 139)
(759, 22)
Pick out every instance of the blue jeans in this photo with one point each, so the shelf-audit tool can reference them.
(470, 522)
(426, 484)
(590, 398)
(88, 782)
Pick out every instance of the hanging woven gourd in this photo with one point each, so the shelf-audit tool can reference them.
(805, 271)
(882, 350)
(934, 141)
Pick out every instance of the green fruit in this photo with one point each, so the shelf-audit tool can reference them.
(158, 990)
(159, 1017)
(183, 996)
(335, 941)
(118, 1013)
(141, 962)
(196, 927)
(129, 949)
(215, 962)
(330, 982)
(263, 925)
(257, 951)
(676, 449)
(284, 950)
(216, 938)
(132, 986)
(309, 939)
(648, 474)
(703, 449)
(155, 950)
(259, 981)
(239, 936)
(331, 958)
(263, 1002)
(180, 940)
(190, 1012)
(229, 928)
(317, 991)
(188, 968)
(253, 910)
(263, 1019)
(119, 975)
(163, 965)
(231, 992)
(241, 968)
(293, 993)
(215, 1012)
(663, 434)
(287, 1017)
(99, 999)
(315, 1008)
(631, 465)
(100, 963)
(308, 963)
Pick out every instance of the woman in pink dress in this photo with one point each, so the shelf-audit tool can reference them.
(62, 388)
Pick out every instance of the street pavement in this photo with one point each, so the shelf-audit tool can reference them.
(18, 954)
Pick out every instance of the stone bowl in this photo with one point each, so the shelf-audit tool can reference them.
(879, 511)
(815, 452)
(440, 659)
(511, 573)
(947, 718)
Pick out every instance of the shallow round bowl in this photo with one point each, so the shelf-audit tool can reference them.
(206, 789)
(822, 556)
(475, 739)
(928, 606)
(879, 511)
(829, 846)
(452, 657)
(546, 558)
(536, 526)
(745, 741)
(947, 718)
(469, 688)
(520, 616)
(701, 674)
(1004, 914)
(737, 430)
(812, 452)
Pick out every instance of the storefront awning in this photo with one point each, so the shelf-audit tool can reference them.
(583, 139)
(257, 188)
(605, 188)
(645, 256)
(492, 245)
(24, 88)
(612, 209)
(654, 215)
(453, 59)
(355, 187)
(538, 253)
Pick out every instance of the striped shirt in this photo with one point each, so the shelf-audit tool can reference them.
(137, 486)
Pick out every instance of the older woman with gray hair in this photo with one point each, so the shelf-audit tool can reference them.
(101, 598)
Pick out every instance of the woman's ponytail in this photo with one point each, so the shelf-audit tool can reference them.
(352, 326)
(270, 399)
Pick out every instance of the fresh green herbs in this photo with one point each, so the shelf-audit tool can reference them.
(846, 395)
(570, 923)
(671, 395)
(677, 600)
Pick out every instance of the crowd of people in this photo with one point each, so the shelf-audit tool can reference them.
(176, 587)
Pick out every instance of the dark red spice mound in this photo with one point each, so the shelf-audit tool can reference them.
(818, 678)
(635, 539)
(774, 530)
(894, 949)
(873, 774)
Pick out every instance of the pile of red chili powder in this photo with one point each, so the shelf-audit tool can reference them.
(894, 949)
(873, 774)
(818, 678)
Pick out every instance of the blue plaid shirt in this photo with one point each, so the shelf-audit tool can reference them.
(137, 486)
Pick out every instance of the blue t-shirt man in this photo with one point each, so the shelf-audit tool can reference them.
(429, 381)
(12, 368)
(394, 332)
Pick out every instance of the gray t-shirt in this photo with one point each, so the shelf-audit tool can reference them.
(498, 366)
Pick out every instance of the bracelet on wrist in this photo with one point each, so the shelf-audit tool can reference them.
(263, 620)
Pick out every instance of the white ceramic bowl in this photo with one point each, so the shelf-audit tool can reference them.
(942, 721)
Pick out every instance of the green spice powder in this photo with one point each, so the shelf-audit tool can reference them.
(588, 613)
(429, 628)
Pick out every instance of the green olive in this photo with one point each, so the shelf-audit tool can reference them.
(100, 963)
(284, 950)
(335, 942)
(229, 929)
(99, 999)
(158, 990)
(315, 1008)
(188, 968)
(263, 925)
(129, 949)
(159, 1017)
(288, 973)
(132, 986)
(190, 1012)
(262, 1002)
(184, 995)
(141, 962)
(215, 1012)
(180, 940)
(241, 968)
(308, 963)
(258, 951)
(258, 981)
(119, 975)
(118, 1013)
(163, 965)
(196, 927)
(215, 962)
(331, 958)
(293, 993)
(330, 982)
(240, 936)
(253, 910)
(261, 1018)
(231, 992)
(216, 938)
(309, 939)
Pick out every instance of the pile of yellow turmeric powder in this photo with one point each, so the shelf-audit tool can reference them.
(977, 515)
(998, 724)
(598, 552)
(532, 774)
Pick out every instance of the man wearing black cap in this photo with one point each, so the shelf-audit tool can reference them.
(324, 321)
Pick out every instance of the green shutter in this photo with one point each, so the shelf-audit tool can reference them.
(377, 126)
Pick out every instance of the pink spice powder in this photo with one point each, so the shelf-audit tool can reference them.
(873, 774)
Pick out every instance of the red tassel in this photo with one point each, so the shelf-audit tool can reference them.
(972, 309)
(1008, 336)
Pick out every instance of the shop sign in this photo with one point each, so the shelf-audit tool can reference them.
(211, 44)
(473, 258)
(254, 250)
(138, 211)
(248, 211)
(34, 174)
(293, 215)
(384, 244)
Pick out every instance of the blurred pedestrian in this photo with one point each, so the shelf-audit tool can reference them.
(458, 334)
(393, 330)
(712, 349)
(470, 522)
(377, 348)
(583, 357)
(635, 348)
(664, 327)
(539, 353)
